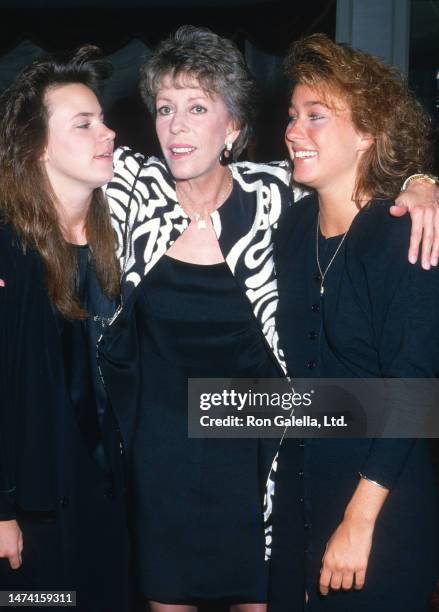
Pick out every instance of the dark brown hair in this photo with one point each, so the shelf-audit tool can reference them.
(216, 63)
(27, 200)
(380, 105)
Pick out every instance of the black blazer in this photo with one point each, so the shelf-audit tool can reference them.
(38, 426)
(33, 401)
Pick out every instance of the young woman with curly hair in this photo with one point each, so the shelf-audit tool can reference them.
(368, 521)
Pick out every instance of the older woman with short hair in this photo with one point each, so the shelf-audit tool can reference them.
(192, 298)
(222, 71)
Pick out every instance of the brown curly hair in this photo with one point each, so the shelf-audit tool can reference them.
(380, 104)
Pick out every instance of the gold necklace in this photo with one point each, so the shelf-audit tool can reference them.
(200, 219)
(323, 274)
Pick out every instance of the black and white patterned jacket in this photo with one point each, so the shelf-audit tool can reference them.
(148, 219)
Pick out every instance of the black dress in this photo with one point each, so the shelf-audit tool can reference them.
(198, 523)
(378, 317)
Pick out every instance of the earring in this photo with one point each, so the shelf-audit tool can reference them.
(226, 156)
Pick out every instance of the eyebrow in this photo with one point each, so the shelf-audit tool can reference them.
(312, 103)
(84, 114)
(165, 99)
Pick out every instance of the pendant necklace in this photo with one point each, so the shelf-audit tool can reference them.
(200, 219)
(323, 274)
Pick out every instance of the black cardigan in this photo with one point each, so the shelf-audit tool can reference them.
(378, 317)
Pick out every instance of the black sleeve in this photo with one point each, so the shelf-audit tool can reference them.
(9, 309)
(403, 301)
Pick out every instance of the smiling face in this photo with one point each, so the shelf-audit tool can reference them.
(192, 127)
(322, 140)
(79, 149)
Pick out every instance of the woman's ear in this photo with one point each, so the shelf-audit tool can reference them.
(233, 132)
(44, 156)
(233, 135)
(366, 141)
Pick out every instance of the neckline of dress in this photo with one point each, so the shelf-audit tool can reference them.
(193, 265)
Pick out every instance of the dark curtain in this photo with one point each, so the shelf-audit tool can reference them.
(262, 29)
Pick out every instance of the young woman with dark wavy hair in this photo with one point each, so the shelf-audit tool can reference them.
(62, 520)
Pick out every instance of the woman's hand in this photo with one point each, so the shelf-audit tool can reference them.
(347, 552)
(347, 555)
(11, 542)
(421, 199)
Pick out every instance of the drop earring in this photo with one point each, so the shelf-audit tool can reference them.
(226, 156)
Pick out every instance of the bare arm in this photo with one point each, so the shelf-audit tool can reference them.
(345, 561)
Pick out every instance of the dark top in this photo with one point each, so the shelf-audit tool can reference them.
(378, 317)
(148, 226)
(47, 368)
(50, 436)
(198, 502)
(79, 339)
